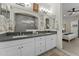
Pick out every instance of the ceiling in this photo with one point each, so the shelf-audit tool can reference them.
(65, 7)
(68, 6)
(46, 5)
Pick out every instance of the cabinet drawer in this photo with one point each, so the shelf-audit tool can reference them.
(15, 42)
(40, 43)
(10, 51)
(7, 44)
(39, 38)
(40, 50)
(51, 37)
(54, 36)
(47, 37)
(28, 40)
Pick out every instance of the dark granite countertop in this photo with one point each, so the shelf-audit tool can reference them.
(11, 38)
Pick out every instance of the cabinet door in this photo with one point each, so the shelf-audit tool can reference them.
(40, 50)
(39, 45)
(50, 42)
(10, 51)
(53, 41)
(28, 49)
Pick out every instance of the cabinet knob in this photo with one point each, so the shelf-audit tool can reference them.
(40, 38)
(19, 47)
(40, 50)
(22, 47)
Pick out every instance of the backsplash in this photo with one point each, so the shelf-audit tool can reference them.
(5, 24)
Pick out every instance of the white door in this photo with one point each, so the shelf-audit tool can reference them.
(28, 49)
(10, 51)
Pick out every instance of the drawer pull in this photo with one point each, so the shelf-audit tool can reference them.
(19, 47)
(40, 50)
(22, 47)
(40, 38)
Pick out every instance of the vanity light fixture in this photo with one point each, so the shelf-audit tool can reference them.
(45, 10)
(64, 15)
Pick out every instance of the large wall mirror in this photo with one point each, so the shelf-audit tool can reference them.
(24, 22)
(50, 22)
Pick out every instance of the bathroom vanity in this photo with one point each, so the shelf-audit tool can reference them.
(27, 45)
(19, 42)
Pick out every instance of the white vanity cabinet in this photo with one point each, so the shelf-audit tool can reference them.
(44, 43)
(50, 42)
(53, 40)
(39, 45)
(9, 48)
(10, 51)
(28, 49)
(28, 46)
(24, 47)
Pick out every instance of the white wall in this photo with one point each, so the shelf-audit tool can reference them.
(74, 29)
(59, 24)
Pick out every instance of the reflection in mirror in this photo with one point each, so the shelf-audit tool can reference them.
(47, 23)
(25, 22)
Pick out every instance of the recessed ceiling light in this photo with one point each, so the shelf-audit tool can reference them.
(64, 15)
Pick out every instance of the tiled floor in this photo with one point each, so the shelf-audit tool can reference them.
(72, 47)
(53, 52)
